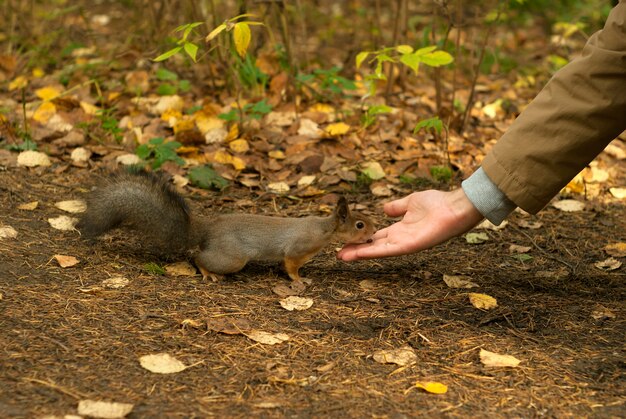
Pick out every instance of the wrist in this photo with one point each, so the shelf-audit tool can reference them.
(465, 213)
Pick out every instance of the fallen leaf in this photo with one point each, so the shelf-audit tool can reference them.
(400, 356)
(619, 193)
(492, 359)
(161, 363)
(488, 225)
(326, 367)
(569, 205)
(432, 387)
(306, 181)
(596, 175)
(239, 146)
(476, 238)
(531, 225)
(104, 410)
(74, 207)
(277, 154)
(368, 285)
(44, 112)
(373, 170)
(379, 189)
(514, 248)
(267, 338)
(223, 157)
(617, 250)
(18, 83)
(66, 261)
(8, 232)
(296, 303)
(337, 129)
(278, 187)
(29, 206)
(195, 324)
(47, 93)
(308, 128)
(459, 281)
(32, 158)
(294, 288)
(180, 269)
(482, 301)
(609, 264)
(80, 155)
(115, 282)
(128, 159)
(63, 222)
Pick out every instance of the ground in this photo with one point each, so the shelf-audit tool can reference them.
(64, 340)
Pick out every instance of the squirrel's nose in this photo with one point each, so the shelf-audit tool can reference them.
(369, 240)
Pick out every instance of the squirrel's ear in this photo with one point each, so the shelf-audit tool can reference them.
(342, 210)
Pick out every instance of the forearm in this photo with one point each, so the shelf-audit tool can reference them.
(570, 121)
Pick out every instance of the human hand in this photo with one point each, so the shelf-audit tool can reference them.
(429, 218)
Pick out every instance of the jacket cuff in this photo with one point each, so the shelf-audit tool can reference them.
(490, 201)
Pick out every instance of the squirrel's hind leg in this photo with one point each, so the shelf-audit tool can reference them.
(215, 268)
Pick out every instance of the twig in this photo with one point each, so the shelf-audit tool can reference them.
(56, 387)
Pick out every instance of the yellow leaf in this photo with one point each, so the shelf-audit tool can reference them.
(88, 108)
(171, 116)
(184, 125)
(207, 123)
(215, 32)
(322, 107)
(47, 93)
(113, 95)
(338, 128)
(277, 154)
(482, 301)
(18, 83)
(233, 133)
(432, 387)
(242, 37)
(576, 185)
(239, 146)
(223, 157)
(44, 112)
(38, 72)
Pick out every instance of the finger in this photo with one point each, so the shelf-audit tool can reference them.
(398, 207)
(379, 249)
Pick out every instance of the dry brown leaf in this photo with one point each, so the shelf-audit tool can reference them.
(239, 146)
(7, 232)
(492, 359)
(66, 261)
(294, 288)
(296, 303)
(115, 282)
(569, 205)
(459, 281)
(482, 301)
(488, 225)
(128, 159)
(30, 206)
(74, 206)
(80, 155)
(180, 269)
(63, 222)
(531, 225)
(514, 248)
(32, 158)
(617, 250)
(267, 338)
(609, 264)
(278, 187)
(400, 356)
(104, 410)
(619, 193)
(161, 363)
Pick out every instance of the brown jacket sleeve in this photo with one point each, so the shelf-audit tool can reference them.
(579, 111)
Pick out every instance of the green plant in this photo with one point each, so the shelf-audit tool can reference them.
(441, 174)
(369, 116)
(250, 75)
(183, 44)
(207, 178)
(154, 269)
(249, 111)
(109, 123)
(404, 54)
(170, 83)
(160, 151)
(327, 81)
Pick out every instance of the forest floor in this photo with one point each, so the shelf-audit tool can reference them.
(65, 337)
(84, 91)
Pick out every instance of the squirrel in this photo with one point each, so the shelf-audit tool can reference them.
(148, 204)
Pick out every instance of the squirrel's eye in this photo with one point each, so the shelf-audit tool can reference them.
(360, 225)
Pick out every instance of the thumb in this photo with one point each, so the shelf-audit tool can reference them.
(398, 207)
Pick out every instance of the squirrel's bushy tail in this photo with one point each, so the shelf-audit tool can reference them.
(145, 203)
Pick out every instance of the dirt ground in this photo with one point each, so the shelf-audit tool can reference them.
(63, 341)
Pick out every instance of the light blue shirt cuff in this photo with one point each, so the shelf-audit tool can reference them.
(488, 199)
